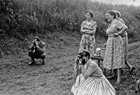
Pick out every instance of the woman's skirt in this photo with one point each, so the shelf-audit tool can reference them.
(92, 86)
(113, 58)
(87, 43)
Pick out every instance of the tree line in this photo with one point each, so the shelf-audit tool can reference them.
(19, 18)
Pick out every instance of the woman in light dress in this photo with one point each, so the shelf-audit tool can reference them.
(113, 58)
(90, 79)
(88, 29)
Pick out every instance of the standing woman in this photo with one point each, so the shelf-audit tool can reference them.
(124, 36)
(113, 58)
(88, 29)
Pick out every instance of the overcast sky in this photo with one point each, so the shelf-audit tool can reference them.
(127, 2)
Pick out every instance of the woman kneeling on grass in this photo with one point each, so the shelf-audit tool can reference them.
(90, 79)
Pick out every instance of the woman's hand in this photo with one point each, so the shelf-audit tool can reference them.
(35, 43)
(85, 30)
(116, 34)
(104, 45)
(77, 61)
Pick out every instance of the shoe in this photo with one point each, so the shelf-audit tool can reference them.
(112, 77)
(31, 63)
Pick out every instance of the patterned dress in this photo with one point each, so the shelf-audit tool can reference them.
(125, 41)
(88, 39)
(95, 83)
(113, 57)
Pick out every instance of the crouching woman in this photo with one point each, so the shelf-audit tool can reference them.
(90, 79)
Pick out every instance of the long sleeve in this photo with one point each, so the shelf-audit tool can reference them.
(91, 68)
(42, 47)
(30, 47)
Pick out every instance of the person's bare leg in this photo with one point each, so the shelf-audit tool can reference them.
(114, 74)
(130, 67)
(118, 76)
(137, 87)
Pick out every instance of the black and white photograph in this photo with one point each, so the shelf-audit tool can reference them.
(69, 47)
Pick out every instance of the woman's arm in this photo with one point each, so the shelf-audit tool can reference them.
(88, 30)
(30, 47)
(83, 28)
(104, 45)
(122, 30)
(92, 29)
(76, 67)
(122, 27)
(41, 49)
(89, 71)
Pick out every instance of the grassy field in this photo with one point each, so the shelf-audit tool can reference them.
(56, 76)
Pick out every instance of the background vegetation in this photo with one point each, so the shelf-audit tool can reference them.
(57, 22)
(56, 19)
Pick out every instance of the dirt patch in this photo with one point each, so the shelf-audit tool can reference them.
(56, 76)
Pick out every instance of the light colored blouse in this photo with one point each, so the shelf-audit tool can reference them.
(92, 69)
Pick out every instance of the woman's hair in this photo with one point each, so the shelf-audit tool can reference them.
(90, 12)
(118, 13)
(86, 53)
(112, 13)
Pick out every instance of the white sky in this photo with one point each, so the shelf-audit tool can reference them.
(127, 2)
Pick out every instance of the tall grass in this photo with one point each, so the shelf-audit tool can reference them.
(19, 18)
